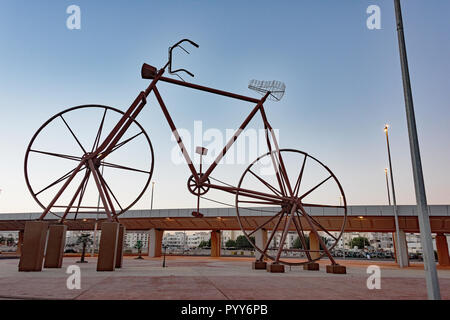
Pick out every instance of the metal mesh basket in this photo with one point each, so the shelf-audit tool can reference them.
(276, 88)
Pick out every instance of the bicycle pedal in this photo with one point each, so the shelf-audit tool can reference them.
(197, 214)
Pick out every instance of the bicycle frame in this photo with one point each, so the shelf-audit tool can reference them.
(92, 160)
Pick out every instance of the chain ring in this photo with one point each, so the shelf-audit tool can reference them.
(194, 188)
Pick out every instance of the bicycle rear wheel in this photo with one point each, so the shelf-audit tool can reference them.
(62, 142)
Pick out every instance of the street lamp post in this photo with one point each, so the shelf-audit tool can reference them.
(422, 206)
(153, 187)
(164, 256)
(387, 185)
(399, 250)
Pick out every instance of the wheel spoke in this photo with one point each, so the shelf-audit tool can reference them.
(79, 189)
(260, 202)
(312, 189)
(99, 132)
(321, 227)
(124, 142)
(109, 189)
(266, 183)
(82, 193)
(73, 134)
(265, 223)
(299, 228)
(59, 155)
(273, 232)
(116, 166)
(300, 176)
(313, 229)
(60, 179)
(321, 205)
(284, 172)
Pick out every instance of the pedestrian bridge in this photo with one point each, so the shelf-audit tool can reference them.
(359, 218)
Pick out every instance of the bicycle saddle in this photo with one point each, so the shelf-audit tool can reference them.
(276, 88)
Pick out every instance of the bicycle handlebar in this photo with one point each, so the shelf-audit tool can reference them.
(178, 44)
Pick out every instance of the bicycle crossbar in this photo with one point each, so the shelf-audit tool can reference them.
(211, 90)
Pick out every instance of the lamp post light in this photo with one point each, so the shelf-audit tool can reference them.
(387, 186)
(422, 206)
(401, 263)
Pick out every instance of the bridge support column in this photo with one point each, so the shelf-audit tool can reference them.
(155, 237)
(403, 246)
(442, 249)
(314, 245)
(20, 243)
(215, 243)
(33, 248)
(120, 243)
(55, 246)
(108, 246)
(260, 241)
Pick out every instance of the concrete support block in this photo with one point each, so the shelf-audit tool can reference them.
(314, 245)
(259, 265)
(260, 242)
(337, 269)
(120, 244)
(403, 249)
(19, 243)
(108, 246)
(215, 243)
(33, 248)
(442, 250)
(155, 237)
(312, 266)
(275, 268)
(55, 246)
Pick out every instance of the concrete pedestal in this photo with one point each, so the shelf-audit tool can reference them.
(155, 242)
(55, 246)
(259, 265)
(442, 250)
(314, 245)
(260, 241)
(108, 246)
(312, 266)
(19, 243)
(403, 249)
(336, 268)
(120, 244)
(275, 268)
(33, 248)
(215, 243)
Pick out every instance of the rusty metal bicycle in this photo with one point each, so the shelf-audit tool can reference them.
(283, 198)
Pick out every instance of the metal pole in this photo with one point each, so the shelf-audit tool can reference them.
(164, 257)
(153, 186)
(95, 239)
(422, 207)
(401, 263)
(387, 186)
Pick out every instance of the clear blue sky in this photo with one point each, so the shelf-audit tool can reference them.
(343, 82)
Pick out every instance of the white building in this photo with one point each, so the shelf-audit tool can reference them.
(194, 240)
(175, 240)
(131, 239)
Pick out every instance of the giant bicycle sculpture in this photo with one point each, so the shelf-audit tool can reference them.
(282, 196)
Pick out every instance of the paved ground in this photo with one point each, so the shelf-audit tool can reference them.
(214, 278)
